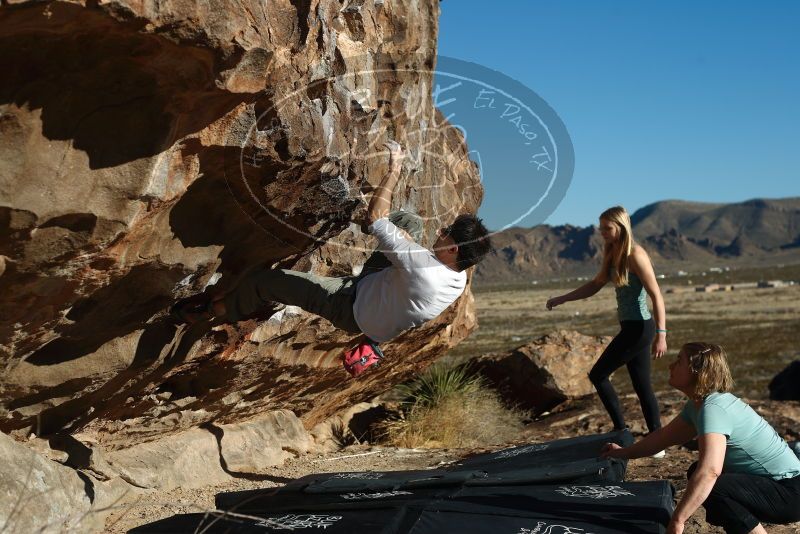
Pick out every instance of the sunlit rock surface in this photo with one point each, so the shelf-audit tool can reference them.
(150, 149)
(540, 375)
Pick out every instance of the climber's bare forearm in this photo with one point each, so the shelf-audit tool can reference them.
(381, 203)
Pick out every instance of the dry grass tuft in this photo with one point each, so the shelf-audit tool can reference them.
(449, 408)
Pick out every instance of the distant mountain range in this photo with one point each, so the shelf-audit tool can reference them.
(674, 232)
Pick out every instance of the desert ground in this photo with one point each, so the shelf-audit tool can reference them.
(757, 327)
(583, 416)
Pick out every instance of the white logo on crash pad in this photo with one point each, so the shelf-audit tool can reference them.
(545, 528)
(511, 453)
(358, 476)
(593, 492)
(299, 521)
(377, 495)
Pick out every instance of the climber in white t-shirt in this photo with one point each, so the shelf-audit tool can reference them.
(411, 286)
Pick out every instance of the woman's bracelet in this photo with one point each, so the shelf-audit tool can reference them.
(658, 330)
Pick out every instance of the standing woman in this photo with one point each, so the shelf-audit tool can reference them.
(628, 266)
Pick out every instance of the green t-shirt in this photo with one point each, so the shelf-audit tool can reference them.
(753, 445)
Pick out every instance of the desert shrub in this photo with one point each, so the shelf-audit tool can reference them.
(451, 407)
(439, 382)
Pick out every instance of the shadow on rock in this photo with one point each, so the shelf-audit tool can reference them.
(75, 413)
(111, 312)
(119, 93)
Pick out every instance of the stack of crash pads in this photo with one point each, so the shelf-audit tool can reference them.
(559, 487)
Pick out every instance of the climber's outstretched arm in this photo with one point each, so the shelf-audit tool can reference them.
(381, 202)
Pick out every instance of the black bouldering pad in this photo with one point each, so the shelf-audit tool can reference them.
(562, 451)
(588, 471)
(640, 501)
(371, 521)
(560, 487)
(636, 507)
(389, 480)
(256, 502)
(349, 484)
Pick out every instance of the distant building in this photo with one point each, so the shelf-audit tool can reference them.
(773, 283)
(708, 288)
(746, 285)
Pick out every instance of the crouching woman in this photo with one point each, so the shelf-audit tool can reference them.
(746, 472)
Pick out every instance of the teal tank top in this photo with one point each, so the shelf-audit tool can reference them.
(632, 300)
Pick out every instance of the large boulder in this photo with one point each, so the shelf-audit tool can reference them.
(541, 374)
(39, 495)
(252, 446)
(151, 150)
(212, 454)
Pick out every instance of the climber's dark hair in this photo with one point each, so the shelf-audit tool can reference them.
(472, 239)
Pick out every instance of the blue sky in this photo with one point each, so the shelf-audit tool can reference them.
(672, 100)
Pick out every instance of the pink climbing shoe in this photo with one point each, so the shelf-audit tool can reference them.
(361, 357)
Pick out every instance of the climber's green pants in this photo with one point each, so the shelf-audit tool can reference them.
(328, 297)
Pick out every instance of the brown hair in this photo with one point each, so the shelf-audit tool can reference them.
(617, 215)
(710, 363)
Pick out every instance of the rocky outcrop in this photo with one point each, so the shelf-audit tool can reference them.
(39, 495)
(540, 375)
(678, 235)
(212, 454)
(360, 423)
(151, 150)
(526, 254)
(64, 484)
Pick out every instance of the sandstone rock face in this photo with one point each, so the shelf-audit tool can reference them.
(189, 459)
(359, 423)
(251, 446)
(38, 495)
(149, 150)
(545, 372)
(212, 454)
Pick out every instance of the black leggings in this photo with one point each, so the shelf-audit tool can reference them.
(739, 502)
(632, 348)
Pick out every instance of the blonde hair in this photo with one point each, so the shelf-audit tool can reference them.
(618, 260)
(710, 363)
